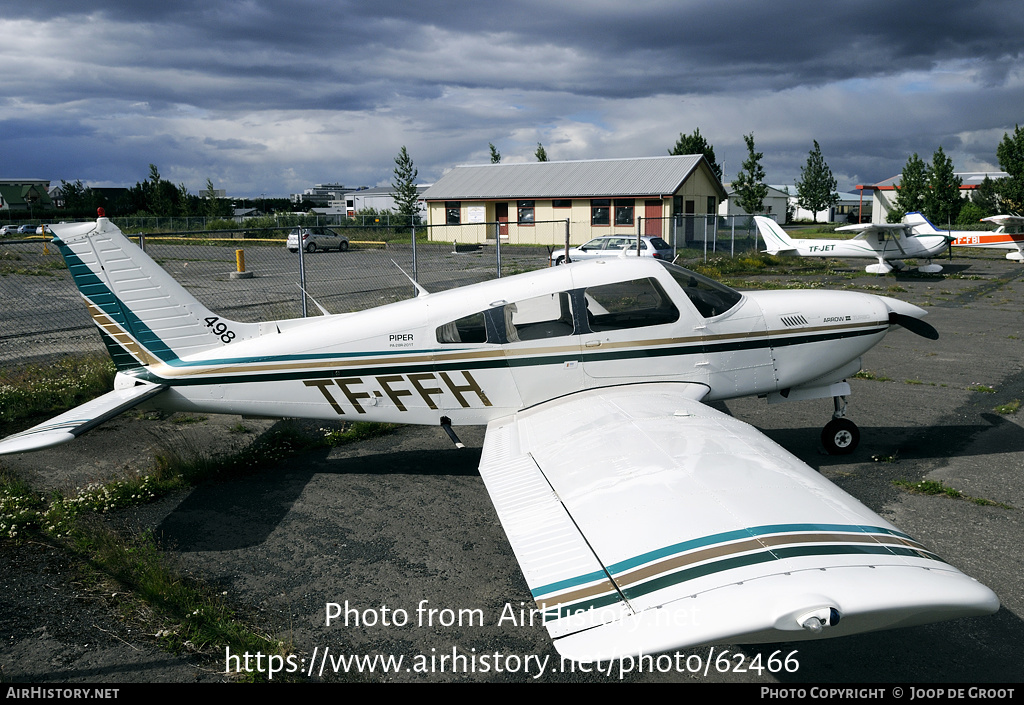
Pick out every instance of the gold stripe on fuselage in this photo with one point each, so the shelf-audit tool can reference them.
(375, 360)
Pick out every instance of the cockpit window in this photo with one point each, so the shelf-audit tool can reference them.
(548, 316)
(470, 329)
(709, 297)
(629, 304)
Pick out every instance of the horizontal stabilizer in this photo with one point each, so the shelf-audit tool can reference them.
(71, 424)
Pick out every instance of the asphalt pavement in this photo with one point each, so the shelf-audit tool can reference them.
(395, 538)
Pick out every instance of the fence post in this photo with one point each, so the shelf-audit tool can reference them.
(415, 268)
(497, 244)
(675, 236)
(302, 271)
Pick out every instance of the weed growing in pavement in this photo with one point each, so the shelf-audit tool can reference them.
(936, 487)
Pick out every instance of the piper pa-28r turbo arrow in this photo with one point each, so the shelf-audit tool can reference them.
(888, 243)
(643, 519)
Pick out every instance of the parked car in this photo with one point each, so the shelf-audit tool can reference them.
(314, 239)
(6, 230)
(26, 229)
(616, 246)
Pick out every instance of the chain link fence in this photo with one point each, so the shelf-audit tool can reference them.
(43, 314)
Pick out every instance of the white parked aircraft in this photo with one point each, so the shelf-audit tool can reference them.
(1007, 236)
(643, 519)
(890, 244)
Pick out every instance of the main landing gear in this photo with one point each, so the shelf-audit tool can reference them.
(840, 435)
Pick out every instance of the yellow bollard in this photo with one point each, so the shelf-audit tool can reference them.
(240, 272)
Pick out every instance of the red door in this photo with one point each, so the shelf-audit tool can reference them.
(501, 215)
(652, 218)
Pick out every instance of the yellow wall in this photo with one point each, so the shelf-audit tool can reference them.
(697, 188)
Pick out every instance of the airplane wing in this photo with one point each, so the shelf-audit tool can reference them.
(71, 424)
(646, 521)
(1005, 219)
(865, 230)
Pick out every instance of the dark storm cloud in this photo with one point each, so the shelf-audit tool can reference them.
(336, 88)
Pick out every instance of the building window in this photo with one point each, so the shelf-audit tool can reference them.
(711, 205)
(600, 211)
(561, 203)
(453, 212)
(526, 210)
(623, 211)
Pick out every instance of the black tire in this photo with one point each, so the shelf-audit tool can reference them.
(343, 247)
(840, 437)
(311, 247)
(560, 260)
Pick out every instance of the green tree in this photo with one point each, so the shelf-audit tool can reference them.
(158, 197)
(1010, 153)
(970, 214)
(541, 154)
(495, 154)
(404, 187)
(78, 199)
(213, 208)
(749, 184)
(696, 144)
(986, 197)
(942, 200)
(911, 191)
(816, 189)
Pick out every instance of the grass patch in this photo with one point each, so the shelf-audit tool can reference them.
(936, 487)
(982, 388)
(185, 614)
(56, 386)
(868, 374)
(1008, 408)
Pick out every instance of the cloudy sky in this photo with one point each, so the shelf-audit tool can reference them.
(272, 96)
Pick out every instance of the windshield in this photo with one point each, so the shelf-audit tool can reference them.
(710, 298)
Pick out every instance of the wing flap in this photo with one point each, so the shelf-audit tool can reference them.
(77, 421)
(691, 513)
(551, 551)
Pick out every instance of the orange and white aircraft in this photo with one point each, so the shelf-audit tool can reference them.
(1008, 236)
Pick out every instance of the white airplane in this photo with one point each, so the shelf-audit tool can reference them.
(1008, 236)
(887, 243)
(643, 519)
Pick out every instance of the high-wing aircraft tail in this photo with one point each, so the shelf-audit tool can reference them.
(776, 240)
(920, 225)
(143, 314)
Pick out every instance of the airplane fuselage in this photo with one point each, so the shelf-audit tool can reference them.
(921, 246)
(479, 353)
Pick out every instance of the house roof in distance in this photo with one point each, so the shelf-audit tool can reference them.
(589, 178)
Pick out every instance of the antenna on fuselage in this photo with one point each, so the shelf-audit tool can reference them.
(315, 303)
(420, 291)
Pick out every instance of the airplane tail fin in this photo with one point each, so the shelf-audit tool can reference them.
(920, 225)
(144, 315)
(776, 240)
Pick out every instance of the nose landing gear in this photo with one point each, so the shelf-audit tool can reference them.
(840, 435)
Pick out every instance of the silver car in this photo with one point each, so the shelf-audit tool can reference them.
(616, 246)
(314, 239)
